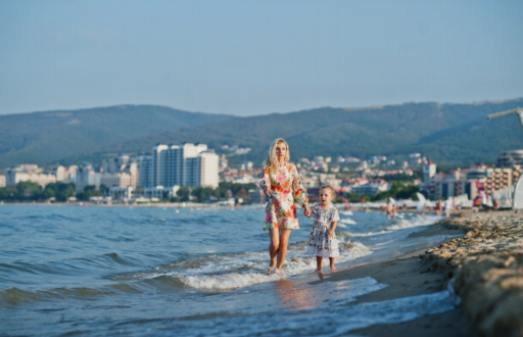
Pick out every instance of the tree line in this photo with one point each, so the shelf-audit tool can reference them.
(244, 193)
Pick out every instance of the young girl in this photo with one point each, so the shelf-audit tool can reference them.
(322, 241)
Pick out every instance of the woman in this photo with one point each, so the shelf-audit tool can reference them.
(281, 184)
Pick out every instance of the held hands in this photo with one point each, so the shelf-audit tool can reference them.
(330, 233)
(307, 210)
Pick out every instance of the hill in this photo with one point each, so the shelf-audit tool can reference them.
(70, 135)
(453, 134)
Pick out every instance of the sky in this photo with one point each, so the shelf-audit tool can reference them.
(247, 57)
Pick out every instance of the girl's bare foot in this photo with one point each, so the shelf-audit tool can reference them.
(271, 270)
(333, 269)
(320, 274)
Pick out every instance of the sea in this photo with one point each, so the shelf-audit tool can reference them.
(72, 270)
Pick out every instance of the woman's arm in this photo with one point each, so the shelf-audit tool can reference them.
(265, 182)
(299, 192)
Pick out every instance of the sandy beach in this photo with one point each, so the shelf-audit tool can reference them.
(486, 269)
(408, 276)
(484, 266)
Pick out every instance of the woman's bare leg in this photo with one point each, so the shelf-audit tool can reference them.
(274, 246)
(284, 241)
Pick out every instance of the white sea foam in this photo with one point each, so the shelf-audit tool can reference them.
(297, 263)
(418, 221)
(347, 221)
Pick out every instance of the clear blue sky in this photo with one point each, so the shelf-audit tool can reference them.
(249, 57)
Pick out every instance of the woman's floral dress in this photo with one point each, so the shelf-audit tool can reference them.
(284, 191)
(319, 242)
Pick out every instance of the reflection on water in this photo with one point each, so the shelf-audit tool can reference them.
(296, 297)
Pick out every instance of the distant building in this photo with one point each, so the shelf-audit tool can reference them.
(86, 176)
(119, 172)
(209, 167)
(122, 193)
(371, 189)
(28, 172)
(429, 171)
(179, 165)
(441, 187)
(510, 158)
(2, 180)
(498, 179)
(66, 174)
(145, 172)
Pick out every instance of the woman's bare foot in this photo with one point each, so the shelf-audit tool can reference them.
(333, 269)
(271, 270)
(280, 272)
(320, 274)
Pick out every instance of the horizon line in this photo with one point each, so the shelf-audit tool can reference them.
(370, 106)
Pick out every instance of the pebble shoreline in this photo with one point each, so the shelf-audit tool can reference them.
(485, 267)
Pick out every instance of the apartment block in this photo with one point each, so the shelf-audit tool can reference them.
(179, 165)
(28, 172)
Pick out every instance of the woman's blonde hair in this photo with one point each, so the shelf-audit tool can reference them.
(272, 160)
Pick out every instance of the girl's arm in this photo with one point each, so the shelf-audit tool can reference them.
(332, 229)
(334, 222)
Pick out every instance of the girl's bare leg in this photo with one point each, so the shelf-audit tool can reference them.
(274, 247)
(333, 266)
(284, 241)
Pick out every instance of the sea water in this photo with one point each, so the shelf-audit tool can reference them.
(150, 271)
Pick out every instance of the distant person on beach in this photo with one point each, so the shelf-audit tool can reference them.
(282, 185)
(391, 210)
(322, 240)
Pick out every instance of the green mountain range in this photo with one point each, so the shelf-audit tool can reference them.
(452, 134)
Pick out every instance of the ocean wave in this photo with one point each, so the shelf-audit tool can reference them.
(298, 263)
(231, 271)
(15, 296)
(417, 221)
(68, 267)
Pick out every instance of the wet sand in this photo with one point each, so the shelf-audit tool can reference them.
(409, 275)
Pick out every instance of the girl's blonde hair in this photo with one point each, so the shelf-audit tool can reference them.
(331, 189)
(272, 160)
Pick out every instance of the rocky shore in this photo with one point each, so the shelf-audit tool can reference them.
(486, 269)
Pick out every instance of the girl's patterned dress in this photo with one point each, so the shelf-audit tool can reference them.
(284, 192)
(319, 242)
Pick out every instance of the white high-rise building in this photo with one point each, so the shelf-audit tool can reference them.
(179, 165)
(133, 174)
(159, 172)
(209, 169)
(145, 174)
